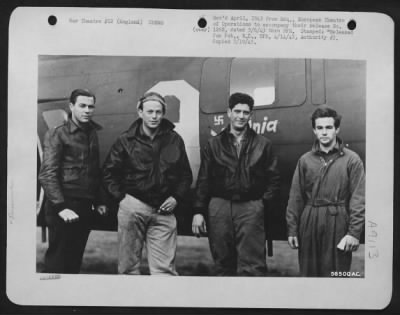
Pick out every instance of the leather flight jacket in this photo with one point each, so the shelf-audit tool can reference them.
(70, 166)
(149, 170)
(251, 175)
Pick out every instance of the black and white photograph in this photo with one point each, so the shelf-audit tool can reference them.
(196, 93)
(242, 154)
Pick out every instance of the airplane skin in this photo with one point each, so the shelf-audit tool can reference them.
(286, 92)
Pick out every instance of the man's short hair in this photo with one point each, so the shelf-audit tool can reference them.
(81, 92)
(325, 111)
(152, 96)
(241, 98)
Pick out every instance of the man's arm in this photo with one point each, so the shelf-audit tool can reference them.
(202, 193)
(271, 166)
(183, 186)
(295, 204)
(185, 175)
(113, 171)
(49, 175)
(351, 241)
(357, 198)
(199, 225)
(101, 200)
(293, 242)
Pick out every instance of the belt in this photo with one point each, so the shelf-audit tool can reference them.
(238, 197)
(326, 203)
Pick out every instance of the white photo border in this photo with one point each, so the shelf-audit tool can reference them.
(177, 38)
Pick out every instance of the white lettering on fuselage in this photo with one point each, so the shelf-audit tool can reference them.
(259, 127)
(265, 126)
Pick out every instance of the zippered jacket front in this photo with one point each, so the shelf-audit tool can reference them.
(149, 170)
(70, 166)
(251, 175)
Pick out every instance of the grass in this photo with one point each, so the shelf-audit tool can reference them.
(193, 257)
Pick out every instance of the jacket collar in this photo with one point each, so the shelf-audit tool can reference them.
(74, 127)
(249, 133)
(339, 146)
(134, 130)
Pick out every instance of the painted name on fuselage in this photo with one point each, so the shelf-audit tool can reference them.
(265, 126)
(259, 127)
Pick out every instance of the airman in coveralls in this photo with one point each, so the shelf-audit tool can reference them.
(325, 212)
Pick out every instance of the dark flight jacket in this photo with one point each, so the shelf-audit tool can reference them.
(149, 170)
(70, 166)
(250, 176)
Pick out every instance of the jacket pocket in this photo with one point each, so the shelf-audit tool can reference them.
(71, 174)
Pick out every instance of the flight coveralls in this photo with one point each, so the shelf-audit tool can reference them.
(70, 177)
(232, 185)
(326, 202)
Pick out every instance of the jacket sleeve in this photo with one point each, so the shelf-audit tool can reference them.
(271, 166)
(101, 196)
(186, 176)
(113, 171)
(49, 175)
(202, 195)
(357, 198)
(296, 201)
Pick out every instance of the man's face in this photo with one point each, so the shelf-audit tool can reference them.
(83, 109)
(239, 116)
(325, 131)
(152, 113)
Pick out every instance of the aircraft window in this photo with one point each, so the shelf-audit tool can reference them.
(214, 91)
(255, 77)
(291, 82)
(264, 95)
(54, 118)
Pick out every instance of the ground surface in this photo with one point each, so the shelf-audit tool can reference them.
(193, 257)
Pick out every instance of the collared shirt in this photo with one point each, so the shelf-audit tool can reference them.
(328, 155)
(144, 135)
(86, 128)
(238, 142)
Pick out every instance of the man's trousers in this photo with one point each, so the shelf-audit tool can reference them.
(139, 223)
(237, 237)
(67, 241)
